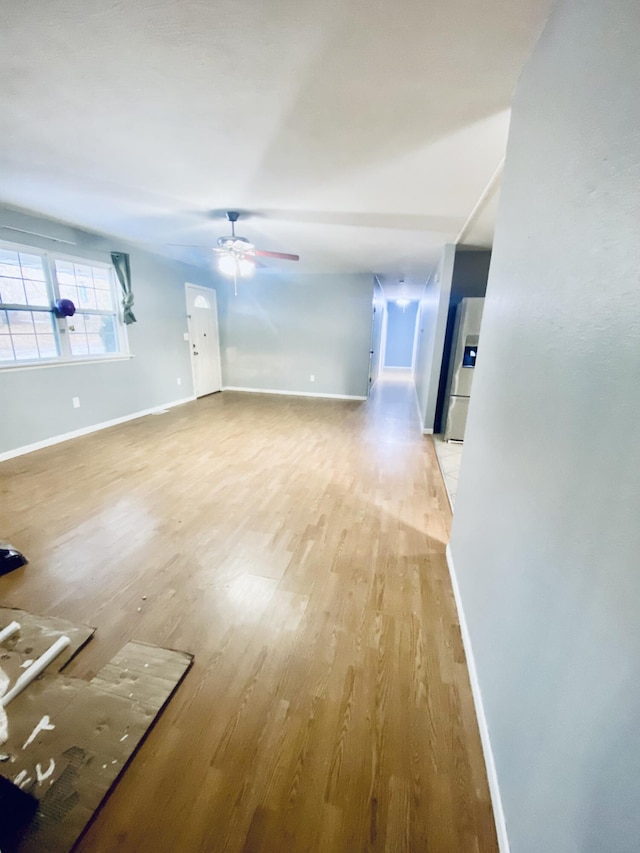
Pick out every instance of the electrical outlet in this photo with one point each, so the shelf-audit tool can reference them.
(186, 336)
(76, 402)
(312, 378)
(179, 381)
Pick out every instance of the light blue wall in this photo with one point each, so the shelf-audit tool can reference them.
(546, 536)
(432, 325)
(36, 403)
(401, 330)
(282, 329)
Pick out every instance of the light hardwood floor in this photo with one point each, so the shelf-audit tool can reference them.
(296, 546)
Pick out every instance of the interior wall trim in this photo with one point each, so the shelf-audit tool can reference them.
(415, 397)
(292, 393)
(76, 433)
(446, 488)
(492, 775)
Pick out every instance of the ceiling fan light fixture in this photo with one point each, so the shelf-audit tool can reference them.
(246, 267)
(227, 265)
(236, 266)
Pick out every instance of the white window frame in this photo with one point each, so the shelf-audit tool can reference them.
(61, 324)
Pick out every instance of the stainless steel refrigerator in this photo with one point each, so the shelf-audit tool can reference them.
(464, 350)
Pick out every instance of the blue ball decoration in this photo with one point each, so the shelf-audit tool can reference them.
(65, 308)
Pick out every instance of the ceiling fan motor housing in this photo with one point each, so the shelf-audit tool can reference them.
(230, 241)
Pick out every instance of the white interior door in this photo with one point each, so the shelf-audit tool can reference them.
(202, 314)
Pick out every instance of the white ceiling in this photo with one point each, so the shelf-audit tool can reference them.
(357, 133)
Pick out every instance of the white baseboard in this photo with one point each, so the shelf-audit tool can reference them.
(291, 393)
(492, 776)
(58, 439)
(427, 432)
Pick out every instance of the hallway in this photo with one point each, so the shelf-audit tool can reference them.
(296, 547)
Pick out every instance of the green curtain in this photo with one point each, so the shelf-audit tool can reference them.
(120, 262)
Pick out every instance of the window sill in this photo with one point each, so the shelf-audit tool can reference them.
(63, 362)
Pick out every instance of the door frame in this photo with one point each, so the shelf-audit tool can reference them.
(211, 294)
(375, 356)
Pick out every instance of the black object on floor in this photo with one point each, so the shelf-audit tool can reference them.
(17, 809)
(10, 558)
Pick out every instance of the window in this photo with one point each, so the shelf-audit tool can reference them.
(27, 329)
(30, 283)
(92, 329)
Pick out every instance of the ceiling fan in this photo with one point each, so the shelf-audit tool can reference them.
(236, 255)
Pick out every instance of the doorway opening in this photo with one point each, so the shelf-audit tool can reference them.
(400, 335)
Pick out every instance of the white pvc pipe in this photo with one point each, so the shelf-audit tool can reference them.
(11, 629)
(35, 669)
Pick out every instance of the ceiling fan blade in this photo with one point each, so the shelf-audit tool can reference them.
(208, 247)
(285, 256)
(251, 256)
